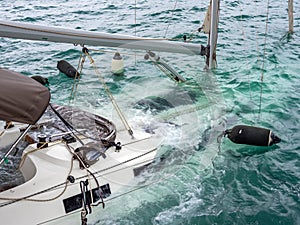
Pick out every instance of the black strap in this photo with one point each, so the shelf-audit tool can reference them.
(67, 124)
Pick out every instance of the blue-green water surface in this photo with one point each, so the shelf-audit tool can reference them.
(256, 83)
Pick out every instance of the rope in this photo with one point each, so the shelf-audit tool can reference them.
(13, 200)
(29, 152)
(77, 77)
(112, 99)
(71, 150)
(28, 198)
(133, 190)
(6, 127)
(264, 58)
(256, 39)
(62, 192)
(135, 6)
(111, 198)
(191, 36)
(168, 22)
(119, 164)
(67, 124)
(244, 39)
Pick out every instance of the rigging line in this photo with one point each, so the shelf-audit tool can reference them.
(130, 191)
(72, 151)
(28, 197)
(263, 60)
(45, 143)
(138, 188)
(112, 99)
(24, 157)
(62, 192)
(77, 77)
(135, 25)
(121, 163)
(126, 167)
(170, 18)
(115, 197)
(67, 124)
(256, 38)
(72, 95)
(135, 4)
(244, 40)
(191, 35)
(11, 201)
(6, 127)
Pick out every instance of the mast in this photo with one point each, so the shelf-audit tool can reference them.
(213, 35)
(210, 27)
(291, 17)
(81, 37)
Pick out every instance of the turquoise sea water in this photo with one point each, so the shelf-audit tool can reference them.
(199, 182)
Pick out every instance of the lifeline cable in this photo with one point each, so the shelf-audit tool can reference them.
(14, 200)
(27, 198)
(71, 150)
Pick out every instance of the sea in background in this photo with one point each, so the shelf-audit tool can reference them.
(201, 180)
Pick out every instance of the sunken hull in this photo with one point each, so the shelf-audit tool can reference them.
(72, 160)
(57, 184)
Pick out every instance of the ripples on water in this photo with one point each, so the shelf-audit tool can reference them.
(246, 185)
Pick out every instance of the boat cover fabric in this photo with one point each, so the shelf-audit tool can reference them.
(22, 99)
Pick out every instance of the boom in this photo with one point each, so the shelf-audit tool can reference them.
(64, 35)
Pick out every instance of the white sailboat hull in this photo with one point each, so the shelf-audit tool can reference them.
(43, 197)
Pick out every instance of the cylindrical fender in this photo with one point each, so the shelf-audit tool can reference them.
(41, 80)
(65, 67)
(242, 134)
(117, 64)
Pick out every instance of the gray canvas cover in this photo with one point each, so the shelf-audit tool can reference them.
(22, 99)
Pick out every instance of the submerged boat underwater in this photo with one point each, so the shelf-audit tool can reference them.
(73, 159)
(73, 170)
